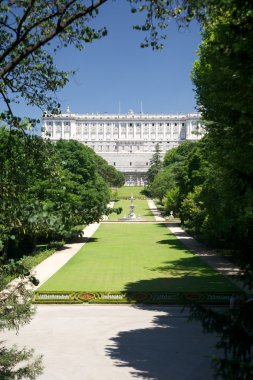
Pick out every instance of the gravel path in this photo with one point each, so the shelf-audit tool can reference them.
(117, 342)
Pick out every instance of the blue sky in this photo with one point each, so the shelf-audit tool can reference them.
(116, 70)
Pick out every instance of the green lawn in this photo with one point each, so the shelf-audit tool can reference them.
(141, 209)
(136, 257)
(126, 191)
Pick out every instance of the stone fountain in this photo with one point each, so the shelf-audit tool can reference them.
(131, 216)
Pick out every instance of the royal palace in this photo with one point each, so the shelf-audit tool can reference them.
(126, 141)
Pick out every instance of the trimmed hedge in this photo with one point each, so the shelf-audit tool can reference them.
(170, 298)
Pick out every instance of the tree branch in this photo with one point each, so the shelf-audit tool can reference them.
(48, 37)
(24, 17)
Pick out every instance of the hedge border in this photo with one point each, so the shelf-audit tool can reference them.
(155, 298)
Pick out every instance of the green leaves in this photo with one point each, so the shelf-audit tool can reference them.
(27, 28)
(46, 190)
(155, 165)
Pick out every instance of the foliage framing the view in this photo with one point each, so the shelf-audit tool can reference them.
(217, 200)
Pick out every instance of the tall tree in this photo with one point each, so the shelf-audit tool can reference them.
(223, 77)
(30, 181)
(163, 182)
(87, 191)
(224, 87)
(155, 165)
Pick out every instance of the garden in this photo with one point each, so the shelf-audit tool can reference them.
(135, 262)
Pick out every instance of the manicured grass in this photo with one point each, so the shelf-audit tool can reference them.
(141, 209)
(136, 257)
(126, 191)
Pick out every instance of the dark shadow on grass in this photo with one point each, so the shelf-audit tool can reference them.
(174, 243)
(193, 280)
(91, 240)
(82, 239)
(189, 266)
(182, 240)
(168, 223)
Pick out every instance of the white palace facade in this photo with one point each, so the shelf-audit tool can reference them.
(126, 141)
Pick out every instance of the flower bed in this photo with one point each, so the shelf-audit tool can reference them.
(217, 298)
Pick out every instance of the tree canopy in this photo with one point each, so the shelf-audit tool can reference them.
(48, 191)
(155, 165)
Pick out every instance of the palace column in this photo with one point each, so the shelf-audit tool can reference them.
(171, 131)
(119, 130)
(89, 137)
(96, 129)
